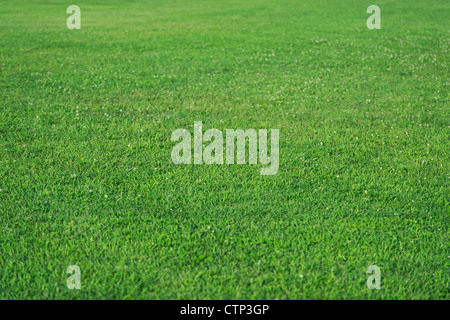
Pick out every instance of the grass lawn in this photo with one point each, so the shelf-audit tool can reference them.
(86, 176)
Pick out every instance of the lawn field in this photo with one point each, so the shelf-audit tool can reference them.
(87, 179)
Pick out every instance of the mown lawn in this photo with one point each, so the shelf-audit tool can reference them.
(86, 176)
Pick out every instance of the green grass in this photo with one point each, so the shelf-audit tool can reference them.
(364, 149)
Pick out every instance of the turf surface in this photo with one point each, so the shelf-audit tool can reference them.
(86, 176)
